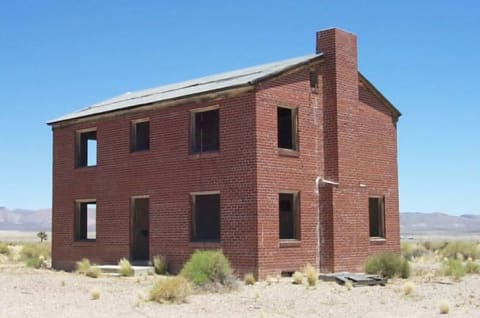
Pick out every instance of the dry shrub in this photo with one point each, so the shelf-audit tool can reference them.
(125, 268)
(453, 267)
(4, 249)
(170, 290)
(160, 264)
(408, 288)
(35, 254)
(461, 250)
(412, 250)
(297, 278)
(249, 279)
(349, 284)
(388, 265)
(472, 268)
(311, 274)
(95, 293)
(93, 272)
(444, 308)
(83, 266)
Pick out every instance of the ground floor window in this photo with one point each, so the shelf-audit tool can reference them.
(289, 215)
(85, 220)
(376, 208)
(206, 217)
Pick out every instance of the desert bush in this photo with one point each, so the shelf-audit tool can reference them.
(160, 264)
(453, 267)
(249, 279)
(412, 250)
(349, 285)
(388, 265)
(125, 268)
(408, 288)
(83, 266)
(95, 293)
(311, 274)
(472, 268)
(466, 249)
(42, 236)
(32, 250)
(434, 245)
(444, 308)
(4, 249)
(93, 272)
(209, 266)
(170, 290)
(297, 278)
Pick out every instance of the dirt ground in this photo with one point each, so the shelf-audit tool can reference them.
(26, 292)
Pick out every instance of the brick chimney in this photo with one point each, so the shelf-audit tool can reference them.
(340, 95)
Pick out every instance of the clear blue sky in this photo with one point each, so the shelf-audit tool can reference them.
(59, 56)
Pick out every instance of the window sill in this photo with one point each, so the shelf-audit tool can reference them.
(290, 243)
(85, 167)
(206, 154)
(205, 244)
(139, 151)
(378, 240)
(288, 153)
(84, 242)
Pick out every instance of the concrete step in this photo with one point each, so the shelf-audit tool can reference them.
(112, 270)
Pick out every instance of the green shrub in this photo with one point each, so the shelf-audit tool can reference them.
(125, 268)
(249, 279)
(311, 274)
(434, 245)
(4, 249)
(466, 249)
(388, 265)
(472, 267)
(160, 264)
(209, 266)
(83, 266)
(170, 290)
(453, 267)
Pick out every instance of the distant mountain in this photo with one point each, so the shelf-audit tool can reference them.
(414, 223)
(25, 220)
(411, 223)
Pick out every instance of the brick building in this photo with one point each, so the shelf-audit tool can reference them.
(278, 165)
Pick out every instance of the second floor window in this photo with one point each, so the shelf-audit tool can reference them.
(287, 128)
(204, 130)
(140, 135)
(86, 148)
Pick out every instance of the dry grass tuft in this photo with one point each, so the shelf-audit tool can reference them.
(170, 290)
(83, 266)
(408, 288)
(311, 274)
(249, 279)
(160, 264)
(95, 293)
(444, 308)
(297, 278)
(125, 268)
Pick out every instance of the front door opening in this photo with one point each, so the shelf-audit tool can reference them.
(140, 229)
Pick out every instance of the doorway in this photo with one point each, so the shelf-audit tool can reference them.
(140, 235)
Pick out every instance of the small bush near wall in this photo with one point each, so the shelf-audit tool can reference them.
(388, 265)
(209, 266)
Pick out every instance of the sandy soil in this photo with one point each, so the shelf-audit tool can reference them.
(32, 293)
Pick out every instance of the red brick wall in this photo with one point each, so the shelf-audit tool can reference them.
(346, 134)
(168, 174)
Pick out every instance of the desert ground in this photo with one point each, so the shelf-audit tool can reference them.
(29, 292)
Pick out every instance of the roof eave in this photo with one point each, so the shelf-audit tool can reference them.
(395, 112)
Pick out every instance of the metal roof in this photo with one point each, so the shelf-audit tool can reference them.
(247, 76)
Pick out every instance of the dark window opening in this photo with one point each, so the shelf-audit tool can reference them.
(86, 149)
(376, 207)
(313, 80)
(140, 136)
(287, 128)
(289, 216)
(205, 131)
(206, 217)
(85, 221)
